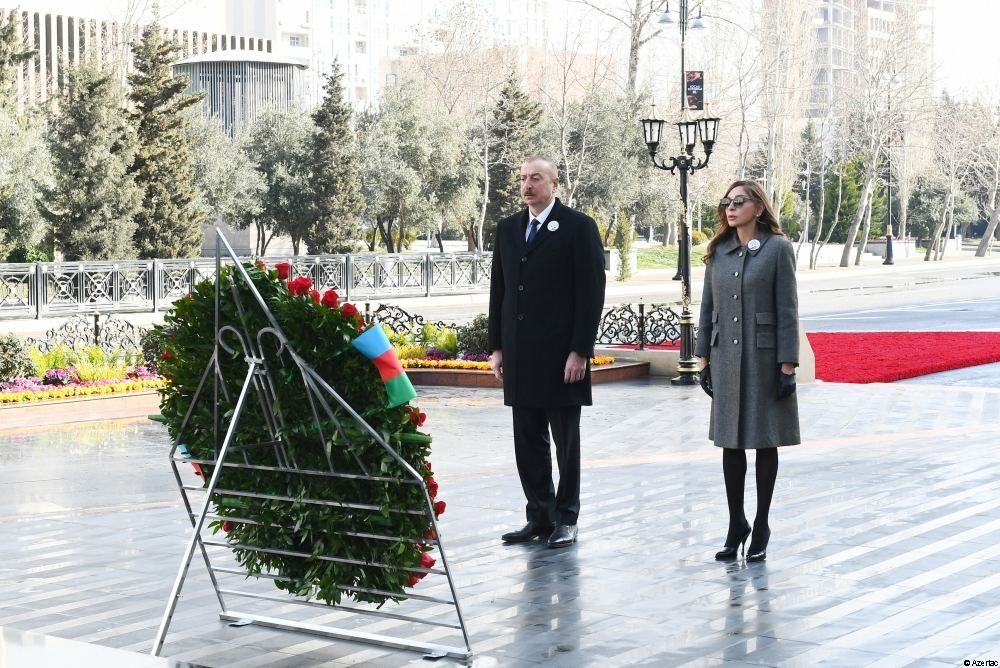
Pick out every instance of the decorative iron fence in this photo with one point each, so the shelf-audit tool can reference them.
(57, 288)
(111, 334)
(640, 325)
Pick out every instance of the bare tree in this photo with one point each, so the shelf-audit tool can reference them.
(987, 170)
(885, 96)
(573, 104)
(951, 151)
(634, 16)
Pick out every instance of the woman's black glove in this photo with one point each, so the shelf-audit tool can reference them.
(786, 384)
(705, 377)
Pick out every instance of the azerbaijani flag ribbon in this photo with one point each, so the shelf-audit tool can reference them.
(374, 345)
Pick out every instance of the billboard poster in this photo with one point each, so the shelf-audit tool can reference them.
(694, 83)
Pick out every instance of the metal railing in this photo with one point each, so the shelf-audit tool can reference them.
(641, 325)
(41, 289)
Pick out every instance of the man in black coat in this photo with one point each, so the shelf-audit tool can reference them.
(546, 298)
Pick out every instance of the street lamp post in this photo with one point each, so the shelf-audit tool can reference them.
(888, 181)
(682, 24)
(684, 164)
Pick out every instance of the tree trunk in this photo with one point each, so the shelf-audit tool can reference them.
(385, 231)
(949, 231)
(440, 241)
(610, 228)
(987, 240)
(935, 239)
(476, 240)
(819, 218)
(635, 43)
(836, 211)
(804, 234)
(865, 231)
(852, 233)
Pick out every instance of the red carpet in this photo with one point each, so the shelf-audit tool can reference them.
(649, 347)
(882, 357)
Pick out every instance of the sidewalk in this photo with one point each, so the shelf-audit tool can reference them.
(885, 547)
(651, 285)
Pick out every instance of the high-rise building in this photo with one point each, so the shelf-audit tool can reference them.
(848, 29)
(66, 33)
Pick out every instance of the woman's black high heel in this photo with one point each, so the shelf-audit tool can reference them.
(759, 553)
(728, 553)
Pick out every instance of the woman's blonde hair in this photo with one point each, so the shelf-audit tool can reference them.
(767, 217)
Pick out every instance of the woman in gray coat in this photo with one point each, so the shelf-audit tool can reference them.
(748, 348)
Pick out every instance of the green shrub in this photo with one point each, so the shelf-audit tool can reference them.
(623, 243)
(411, 352)
(107, 371)
(90, 362)
(15, 360)
(473, 338)
(399, 339)
(428, 336)
(448, 341)
(153, 343)
(698, 238)
(60, 356)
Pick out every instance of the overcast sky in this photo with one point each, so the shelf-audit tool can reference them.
(967, 46)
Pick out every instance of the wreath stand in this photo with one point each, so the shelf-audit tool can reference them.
(439, 611)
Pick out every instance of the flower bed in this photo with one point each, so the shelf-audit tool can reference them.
(472, 365)
(27, 390)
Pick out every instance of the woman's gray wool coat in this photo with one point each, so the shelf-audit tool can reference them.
(749, 325)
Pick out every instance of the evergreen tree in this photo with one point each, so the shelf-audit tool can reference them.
(278, 145)
(170, 222)
(335, 180)
(94, 199)
(516, 118)
(24, 168)
(13, 54)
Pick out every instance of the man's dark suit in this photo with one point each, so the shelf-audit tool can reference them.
(546, 300)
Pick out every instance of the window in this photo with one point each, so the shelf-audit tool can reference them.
(294, 40)
(361, 48)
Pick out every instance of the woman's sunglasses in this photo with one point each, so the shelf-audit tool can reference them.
(737, 201)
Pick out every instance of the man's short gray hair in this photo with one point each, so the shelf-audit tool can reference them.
(548, 162)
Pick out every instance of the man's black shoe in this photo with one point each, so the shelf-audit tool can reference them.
(563, 536)
(530, 532)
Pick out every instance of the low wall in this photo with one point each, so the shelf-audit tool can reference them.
(84, 409)
(664, 362)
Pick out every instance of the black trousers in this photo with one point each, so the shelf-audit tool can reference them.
(532, 450)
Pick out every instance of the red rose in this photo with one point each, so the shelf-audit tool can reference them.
(416, 417)
(426, 560)
(300, 286)
(431, 534)
(432, 487)
(414, 579)
(227, 526)
(348, 310)
(284, 270)
(167, 355)
(315, 295)
(427, 466)
(331, 299)
(439, 508)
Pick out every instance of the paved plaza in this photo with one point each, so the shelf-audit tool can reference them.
(885, 547)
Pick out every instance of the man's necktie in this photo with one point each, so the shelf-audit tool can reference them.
(533, 229)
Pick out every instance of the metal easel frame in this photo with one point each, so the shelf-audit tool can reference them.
(322, 396)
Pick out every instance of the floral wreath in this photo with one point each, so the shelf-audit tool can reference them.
(378, 533)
